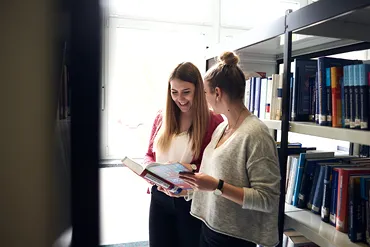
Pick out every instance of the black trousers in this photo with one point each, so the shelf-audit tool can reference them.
(170, 222)
(210, 238)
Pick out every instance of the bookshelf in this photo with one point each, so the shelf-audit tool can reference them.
(311, 226)
(307, 128)
(334, 26)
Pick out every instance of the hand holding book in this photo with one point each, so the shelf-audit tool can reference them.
(162, 175)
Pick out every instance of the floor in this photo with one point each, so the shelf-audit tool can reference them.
(124, 206)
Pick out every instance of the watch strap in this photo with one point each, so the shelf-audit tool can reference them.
(220, 184)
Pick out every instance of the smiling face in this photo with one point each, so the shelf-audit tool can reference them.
(182, 93)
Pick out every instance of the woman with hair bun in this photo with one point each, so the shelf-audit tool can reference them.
(236, 192)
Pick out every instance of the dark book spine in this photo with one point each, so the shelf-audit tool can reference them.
(313, 187)
(342, 101)
(312, 99)
(253, 93)
(333, 202)
(326, 197)
(354, 210)
(294, 90)
(306, 184)
(328, 98)
(317, 199)
(317, 99)
(322, 92)
(368, 104)
(347, 111)
(368, 216)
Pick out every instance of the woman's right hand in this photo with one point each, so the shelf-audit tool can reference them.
(167, 192)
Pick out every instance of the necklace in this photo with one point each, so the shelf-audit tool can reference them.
(228, 125)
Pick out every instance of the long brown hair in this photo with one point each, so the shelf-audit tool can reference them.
(200, 113)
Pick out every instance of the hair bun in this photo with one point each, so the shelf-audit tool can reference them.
(228, 58)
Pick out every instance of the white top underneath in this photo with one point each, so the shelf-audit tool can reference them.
(179, 150)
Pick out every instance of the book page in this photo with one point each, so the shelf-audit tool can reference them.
(134, 166)
(170, 172)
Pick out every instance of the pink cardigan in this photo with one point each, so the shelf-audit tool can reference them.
(214, 121)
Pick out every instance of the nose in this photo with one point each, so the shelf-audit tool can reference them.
(181, 97)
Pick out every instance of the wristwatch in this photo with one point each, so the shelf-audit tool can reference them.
(194, 167)
(218, 191)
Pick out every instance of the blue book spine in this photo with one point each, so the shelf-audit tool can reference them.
(356, 92)
(297, 185)
(328, 97)
(317, 198)
(347, 114)
(352, 106)
(342, 101)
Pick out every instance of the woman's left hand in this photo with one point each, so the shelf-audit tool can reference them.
(200, 181)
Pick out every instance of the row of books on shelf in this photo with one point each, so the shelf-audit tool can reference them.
(335, 187)
(329, 91)
(293, 238)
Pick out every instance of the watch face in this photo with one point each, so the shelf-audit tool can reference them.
(194, 167)
(217, 192)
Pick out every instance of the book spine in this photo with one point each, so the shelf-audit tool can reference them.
(317, 199)
(342, 201)
(160, 182)
(326, 197)
(357, 98)
(336, 73)
(322, 92)
(252, 93)
(268, 98)
(312, 99)
(247, 94)
(368, 104)
(317, 87)
(294, 94)
(355, 210)
(363, 91)
(347, 116)
(262, 112)
(342, 101)
(352, 105)
(313, 187)
(328, 97)
(279, 97)
(257, 97)
(334, 194)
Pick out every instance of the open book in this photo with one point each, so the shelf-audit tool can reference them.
(163, 175)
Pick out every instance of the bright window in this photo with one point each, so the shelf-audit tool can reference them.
(164, 10)
(140, 62)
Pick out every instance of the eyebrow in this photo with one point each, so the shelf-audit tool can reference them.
(185, 89)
